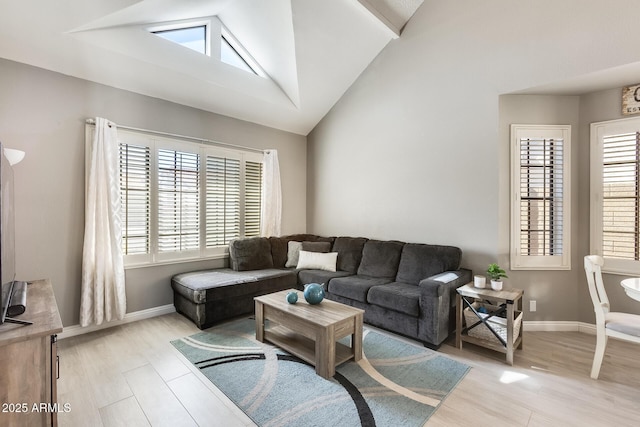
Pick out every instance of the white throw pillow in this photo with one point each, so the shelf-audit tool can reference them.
(293, 251)
(318, 260)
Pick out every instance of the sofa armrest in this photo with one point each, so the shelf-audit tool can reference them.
(437, 305)
(447, 282)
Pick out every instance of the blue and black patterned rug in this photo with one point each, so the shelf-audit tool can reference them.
(395, 384)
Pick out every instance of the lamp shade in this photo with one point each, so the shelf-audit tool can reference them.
(14, 156)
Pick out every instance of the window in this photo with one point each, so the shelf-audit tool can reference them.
(185, 200)
(135, 190)
(229, 55)
(615, 194)
(195, 38)
(541, 197)
(199, 35)
(178, 201)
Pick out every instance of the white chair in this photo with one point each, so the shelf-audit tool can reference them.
(623, 326)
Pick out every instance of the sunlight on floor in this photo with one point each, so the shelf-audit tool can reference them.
(509, 377)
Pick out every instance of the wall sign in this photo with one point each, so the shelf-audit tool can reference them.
(631, 100)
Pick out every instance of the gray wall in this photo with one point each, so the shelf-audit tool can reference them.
(550, 289)
(597, 107)
(417, 149)
(43, 113)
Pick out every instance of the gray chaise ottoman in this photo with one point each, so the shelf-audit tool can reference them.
(210, 296)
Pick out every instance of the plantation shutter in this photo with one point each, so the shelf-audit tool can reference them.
(621, 196)
(252, 197)
(223, 201)
(135, 194)
(178, 201)
(541, 197)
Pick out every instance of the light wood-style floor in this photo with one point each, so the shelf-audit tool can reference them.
(131, 375)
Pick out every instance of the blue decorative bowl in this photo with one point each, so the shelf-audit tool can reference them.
(313, 293)
(292, 297)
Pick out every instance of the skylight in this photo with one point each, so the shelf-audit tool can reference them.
(194, 38)
(230, 56)
(197, 37)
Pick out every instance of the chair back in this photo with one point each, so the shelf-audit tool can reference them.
(593, 268)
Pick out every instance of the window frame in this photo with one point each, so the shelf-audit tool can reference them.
(155, 143)
(185, 25)
(521, 261)
(599, 130)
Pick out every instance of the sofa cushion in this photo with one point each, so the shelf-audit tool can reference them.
(293, 253)
(253, 253)
(280, 248)
(317, 261)
(319, 276)
(218, 284)
(316, 246)
(395, 296)
(354, 287)
(349, 252)
(419, 261)
(380, 259)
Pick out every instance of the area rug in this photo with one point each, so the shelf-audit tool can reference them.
(395, 384)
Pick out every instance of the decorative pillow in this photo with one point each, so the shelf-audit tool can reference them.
(316, 246)
(293, 253)
(318, 260)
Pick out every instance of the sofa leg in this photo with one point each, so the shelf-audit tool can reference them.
(431, 346)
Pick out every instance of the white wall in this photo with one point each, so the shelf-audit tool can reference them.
(43, 113)
(415, 150)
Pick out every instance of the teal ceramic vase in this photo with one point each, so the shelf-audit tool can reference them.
(313, 293)
(292, 297)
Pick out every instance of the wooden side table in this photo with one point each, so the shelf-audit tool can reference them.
(509, 301)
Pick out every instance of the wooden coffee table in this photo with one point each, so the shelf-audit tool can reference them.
(309, 331)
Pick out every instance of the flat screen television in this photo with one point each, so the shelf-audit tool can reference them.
(7, 238)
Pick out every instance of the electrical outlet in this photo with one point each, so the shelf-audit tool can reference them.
(532, 305)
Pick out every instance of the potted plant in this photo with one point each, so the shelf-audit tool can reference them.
(496, 274)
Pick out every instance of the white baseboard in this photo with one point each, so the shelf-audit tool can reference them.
(532, 325)
(561, 326)
(71, 331)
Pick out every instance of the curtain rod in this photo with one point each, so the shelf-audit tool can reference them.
(92, 122)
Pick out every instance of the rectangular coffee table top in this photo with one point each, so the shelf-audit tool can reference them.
(324, 314)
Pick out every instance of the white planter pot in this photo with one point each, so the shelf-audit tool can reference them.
(496, 285)
(479, 281)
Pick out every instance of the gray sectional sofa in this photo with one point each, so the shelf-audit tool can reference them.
(406, 288)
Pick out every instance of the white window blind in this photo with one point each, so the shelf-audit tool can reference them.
(135, 194)
(615, 194)
(223, 200)
(185, 200)
(620, 196)
(540, 202)
(253, 199)
(178, 201)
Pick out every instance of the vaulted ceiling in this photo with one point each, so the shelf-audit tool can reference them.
(311, 50)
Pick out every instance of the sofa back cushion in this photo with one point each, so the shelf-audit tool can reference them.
(349, 252)
(293, 254)
(419, 261)
(317, 246)
(280, 246)
(253, 253)
(380, 259)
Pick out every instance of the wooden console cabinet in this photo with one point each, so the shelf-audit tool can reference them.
(28, 362)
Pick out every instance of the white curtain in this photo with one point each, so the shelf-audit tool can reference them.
(271, 215)
(103, 291)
